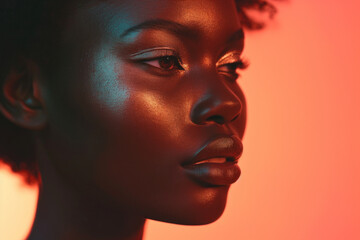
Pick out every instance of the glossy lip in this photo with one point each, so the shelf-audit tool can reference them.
(229, 147)
(210, 174)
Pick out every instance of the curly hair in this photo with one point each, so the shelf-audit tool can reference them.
(28, 24)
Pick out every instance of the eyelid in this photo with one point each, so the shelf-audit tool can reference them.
(152, 53)
(231, 57)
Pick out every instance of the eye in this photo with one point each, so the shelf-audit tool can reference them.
(231, 64)
(233, 68)
(166, 63)
(162, 59)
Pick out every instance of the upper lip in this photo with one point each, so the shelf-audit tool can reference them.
(229, 147)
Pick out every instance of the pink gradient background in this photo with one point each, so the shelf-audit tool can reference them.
(301, 161)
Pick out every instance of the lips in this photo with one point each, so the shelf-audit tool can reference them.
(216, 163)
(212, 160)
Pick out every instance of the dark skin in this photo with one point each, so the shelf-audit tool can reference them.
(128, 103)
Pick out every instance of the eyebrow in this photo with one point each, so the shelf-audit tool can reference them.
(161, 24)
(176, 29)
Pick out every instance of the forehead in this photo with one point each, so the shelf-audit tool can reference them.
(207, 17)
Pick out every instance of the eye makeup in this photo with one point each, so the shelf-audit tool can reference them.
(156, 52)
(231, 65)
(232, 58)
(161, 60)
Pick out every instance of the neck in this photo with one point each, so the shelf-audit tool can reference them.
(66, 213)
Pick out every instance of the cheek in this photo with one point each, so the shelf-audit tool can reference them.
(142, 139)
(106, 90)
(136, 131)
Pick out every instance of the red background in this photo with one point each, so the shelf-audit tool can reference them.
(301, 161)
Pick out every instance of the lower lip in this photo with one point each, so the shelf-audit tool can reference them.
(216, 174)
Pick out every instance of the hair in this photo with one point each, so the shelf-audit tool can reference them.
(28, 28)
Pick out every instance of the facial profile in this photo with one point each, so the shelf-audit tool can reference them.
(164, 78)
(137, 113)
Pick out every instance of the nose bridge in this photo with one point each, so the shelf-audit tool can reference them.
(218, 104)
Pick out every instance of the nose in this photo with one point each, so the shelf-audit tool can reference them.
(220, 105)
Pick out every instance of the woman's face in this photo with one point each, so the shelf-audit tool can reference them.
(139, 92)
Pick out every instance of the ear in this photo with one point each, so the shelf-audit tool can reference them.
(20, 99)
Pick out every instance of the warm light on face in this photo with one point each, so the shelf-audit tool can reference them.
(300, 167)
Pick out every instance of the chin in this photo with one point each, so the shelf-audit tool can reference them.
(203, 209)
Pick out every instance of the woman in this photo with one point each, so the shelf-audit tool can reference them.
(123, 110)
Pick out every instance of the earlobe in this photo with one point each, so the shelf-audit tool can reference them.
(19, 100)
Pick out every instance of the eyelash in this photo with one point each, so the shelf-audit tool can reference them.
(241, 64)
(157, 61)
(168, 61)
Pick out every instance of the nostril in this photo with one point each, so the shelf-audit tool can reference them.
(218, 109)
(216, 118)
